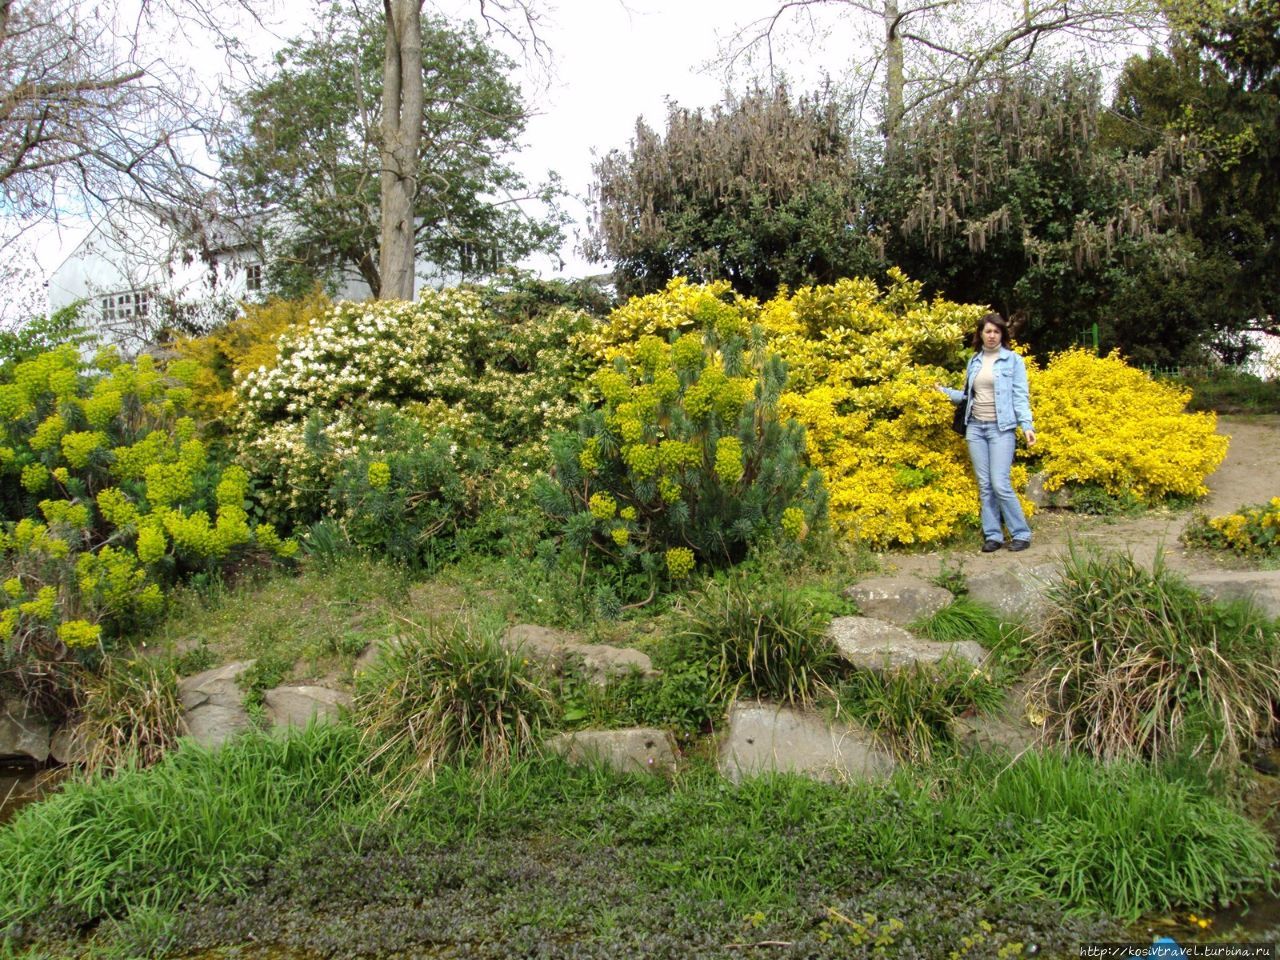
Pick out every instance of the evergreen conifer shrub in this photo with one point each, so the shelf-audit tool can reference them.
(686, 460)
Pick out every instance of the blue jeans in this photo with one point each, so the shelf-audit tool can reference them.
(991, 450)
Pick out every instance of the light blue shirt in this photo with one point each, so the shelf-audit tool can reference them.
(1013, 399)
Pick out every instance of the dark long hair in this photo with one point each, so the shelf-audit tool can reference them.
(994, 319)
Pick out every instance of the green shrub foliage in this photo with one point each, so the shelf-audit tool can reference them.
(686, 460)
(108, 499)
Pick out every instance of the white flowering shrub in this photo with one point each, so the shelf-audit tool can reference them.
(498, 386)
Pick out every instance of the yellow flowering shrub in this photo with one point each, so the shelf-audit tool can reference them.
(1251, 531)
(107, 498)
(1100, 421)
(862, 362)
(218, 360)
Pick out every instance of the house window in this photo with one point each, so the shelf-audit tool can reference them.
(477, 258)
(125, 306)
(253, 278)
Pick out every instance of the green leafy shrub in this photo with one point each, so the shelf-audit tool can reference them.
(760, 637)
(408, 494)
(108, 499)
(1136, 663)
(686, 461)
(446, 693)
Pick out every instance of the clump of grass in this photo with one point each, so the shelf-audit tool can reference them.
(966, 619)
(1137, 663)
(914, 708)
(130, 714)
(763, 636)
(443, 693)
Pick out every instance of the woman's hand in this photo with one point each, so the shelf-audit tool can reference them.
(1031, 437)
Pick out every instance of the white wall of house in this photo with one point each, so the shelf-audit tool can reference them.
(132, 271)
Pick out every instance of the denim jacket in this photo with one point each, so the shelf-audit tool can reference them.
(1013, 401)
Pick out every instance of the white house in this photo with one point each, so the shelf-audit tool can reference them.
(143, 269)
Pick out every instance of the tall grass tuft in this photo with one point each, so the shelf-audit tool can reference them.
(915, 708)
(762, 635)
(443, 693)
(198, 823)
(130, 714)
(966, 619)
(1136, 663)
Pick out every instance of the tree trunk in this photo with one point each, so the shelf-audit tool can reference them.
(894, 103)
(401, 136)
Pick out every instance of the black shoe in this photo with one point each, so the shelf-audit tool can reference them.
(1016, 545)
(991, 546)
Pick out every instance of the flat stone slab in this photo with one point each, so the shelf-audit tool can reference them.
(555, 650)
(634, 749)
(1015, 593)
(871, 644)
(1008, 729)
(298, 706)
(213, 704)
(23, 733)
(767, 738)
(901, 600)
(1260, 586)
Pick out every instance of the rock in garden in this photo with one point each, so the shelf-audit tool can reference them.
(767, 738)
(213, 704)
(1260, 586)
(871, 644)
(1010, 728)
(900, 600)
(298, 706)
(23, 733)
(1042, 498)
(555, 650)
(67, 746)
(1015, 593)
(637, 748)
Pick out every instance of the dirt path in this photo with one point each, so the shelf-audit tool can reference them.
(1250, 474)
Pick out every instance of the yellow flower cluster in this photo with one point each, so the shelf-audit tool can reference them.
(1101, 421)
(79, 633)
(379, 475)
(1253, 531)
(679, 562)
(602, 506)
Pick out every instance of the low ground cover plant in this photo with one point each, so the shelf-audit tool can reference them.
(447, 692)
(761, 638)
(1132, 662)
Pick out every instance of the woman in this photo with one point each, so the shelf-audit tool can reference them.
(996, 379)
